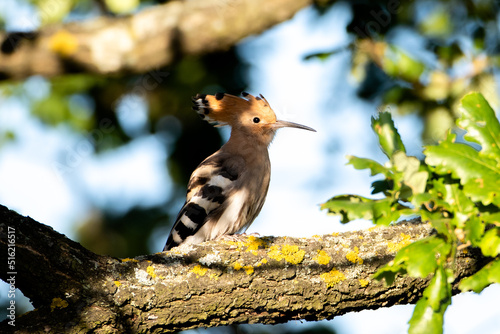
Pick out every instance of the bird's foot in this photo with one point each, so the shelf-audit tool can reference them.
(254, 234)
(238, 237)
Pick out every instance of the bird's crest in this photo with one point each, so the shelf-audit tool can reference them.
(223, 109)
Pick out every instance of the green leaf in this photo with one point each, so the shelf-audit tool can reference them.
(479, 175)
(382, 186)
(438, 192)
(404, 163)
(457, 191)
(122, 6)
(451, 198)
(388, 136)
(76, 83)
(438, 23)
(349, 207)
(440, 223)
(384, 212)
(397, 63)
(49, 13)
(412, 177)
(321, 55)
(419, 257)
(428, 315)
(481, 123)
(474, 229)
(491, 218)
(461, 160)
(362, 163)
(424, 199)
(490, 244)
(457, 199)
(484, 190)
(6, 137)
(52, 110)
(389, 273)
(490, 273)
(417, 182)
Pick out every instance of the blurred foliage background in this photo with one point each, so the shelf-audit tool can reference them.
(88, 105)
(451, 47)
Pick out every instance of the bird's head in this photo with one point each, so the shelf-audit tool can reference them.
(250, 115)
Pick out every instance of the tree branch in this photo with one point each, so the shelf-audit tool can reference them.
(150, 39)
(263, 280)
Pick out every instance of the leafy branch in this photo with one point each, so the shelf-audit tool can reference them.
(259, 280)
(456, 189)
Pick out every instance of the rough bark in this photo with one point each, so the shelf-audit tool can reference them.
(147, 40)
(263, 280)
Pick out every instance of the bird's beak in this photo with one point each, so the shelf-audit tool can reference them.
(286, 124)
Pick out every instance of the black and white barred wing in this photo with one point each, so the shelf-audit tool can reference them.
(210, 186)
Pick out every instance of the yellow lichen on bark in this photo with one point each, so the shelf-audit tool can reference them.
(214, 276)
(363, 282)
(354, 257)
(291, 253)
(253, 244)
(248, 269)
(332, 277)
(261, 262)
(237, 266)
(151, 271)
(396, 246)
(63, 43)
(58, 303)
(199, 270)
(322, 257)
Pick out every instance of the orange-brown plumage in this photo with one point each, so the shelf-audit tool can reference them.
(227, 190)
(226, 109)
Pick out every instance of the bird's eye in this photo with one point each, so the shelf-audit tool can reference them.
(256, 120)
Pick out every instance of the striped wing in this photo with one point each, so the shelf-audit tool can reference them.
(210, 186)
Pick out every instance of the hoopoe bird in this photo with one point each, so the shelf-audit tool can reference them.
(227, 190)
